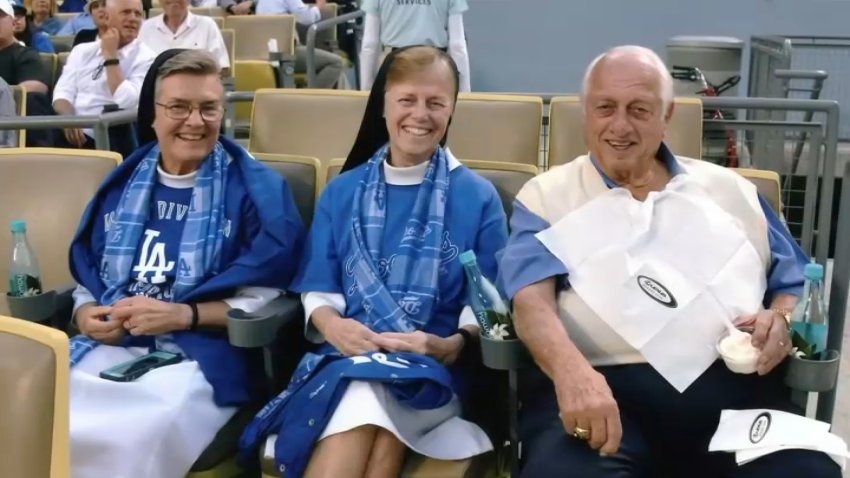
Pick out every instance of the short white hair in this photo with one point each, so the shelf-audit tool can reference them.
(644, 54)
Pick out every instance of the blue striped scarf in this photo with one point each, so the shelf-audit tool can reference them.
(200, 244)
(402, 302)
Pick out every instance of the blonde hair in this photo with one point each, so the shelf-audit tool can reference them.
(53, 7)
(414, 60)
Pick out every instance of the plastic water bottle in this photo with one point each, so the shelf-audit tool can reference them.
(24, 278)
(491, 312)
(809, 321)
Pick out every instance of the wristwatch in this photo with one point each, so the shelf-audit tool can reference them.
(111, 61)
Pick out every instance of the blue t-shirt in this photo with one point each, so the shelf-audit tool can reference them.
(474, 219)
(155, 265)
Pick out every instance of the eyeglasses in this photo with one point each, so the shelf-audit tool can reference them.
(179, 111)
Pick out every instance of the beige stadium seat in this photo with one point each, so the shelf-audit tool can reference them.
(325, 38)
(49, 62)
(767, 183)
(253, 33)
(49, 189)
(305, 177)
(219, 22)
(64, 17)
(566, 130)
(503, 128)
(61, 59)
(209, 11)
(508, 178)
(333, 169)
(229, 37)
(310, 122)
(33, 400)
(153, 12)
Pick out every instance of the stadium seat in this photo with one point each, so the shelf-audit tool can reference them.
(325, 39)
(503, 128)
(508, 178)
(250, 75)
(219, 21)
(49, 62)
(33, 400)
(61, 59)
(34, 186)
(305, 177)
(566, 133)
(20, 94)
(767, 183)
(310, 122)
(253, 33)
(229, 37)
(62, 44)
(205, 11)
(64, 17)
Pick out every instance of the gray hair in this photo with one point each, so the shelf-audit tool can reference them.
(193, 62)
(646, 55)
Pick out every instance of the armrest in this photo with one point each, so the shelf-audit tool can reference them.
(505, 354)
(62, 318)
(260, 328)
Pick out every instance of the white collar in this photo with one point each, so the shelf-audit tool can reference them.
(187, 23)
(412, 175)
(181, 181)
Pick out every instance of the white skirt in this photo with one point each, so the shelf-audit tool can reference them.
(438, 433)
(156, 426)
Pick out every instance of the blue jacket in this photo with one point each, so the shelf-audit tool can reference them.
(299, 415)
(269, 260)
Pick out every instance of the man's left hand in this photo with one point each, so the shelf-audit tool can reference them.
(109, 43)
(146, 316)
(770, 335)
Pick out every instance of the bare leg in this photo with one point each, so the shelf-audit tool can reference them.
(343, 455)
(387, 456)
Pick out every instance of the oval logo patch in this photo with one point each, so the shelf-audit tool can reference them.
(656, 291)
(759, 427)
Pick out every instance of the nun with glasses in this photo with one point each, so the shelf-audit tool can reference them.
(185, 229)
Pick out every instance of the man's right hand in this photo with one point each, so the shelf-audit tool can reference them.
(75, 137)
(586, 401)
(348, 336)
(91, 322)
(243, 8)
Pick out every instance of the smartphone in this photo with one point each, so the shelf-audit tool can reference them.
(133, 369)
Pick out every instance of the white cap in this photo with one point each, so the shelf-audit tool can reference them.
(6, 7)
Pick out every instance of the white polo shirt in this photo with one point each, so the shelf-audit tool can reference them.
(197, 32)
(83, 80)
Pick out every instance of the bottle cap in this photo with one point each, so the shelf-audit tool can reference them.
(19, 225)
(468, 257)
(813, 271)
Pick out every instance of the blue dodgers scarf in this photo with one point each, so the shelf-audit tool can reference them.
(401, 302)
(269, 260)
(299, 416)
(404, 300)
(200, 244)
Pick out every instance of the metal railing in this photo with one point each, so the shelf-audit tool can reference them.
(99, 123)
(322, 25)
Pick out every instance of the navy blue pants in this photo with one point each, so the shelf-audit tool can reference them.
(665, 433)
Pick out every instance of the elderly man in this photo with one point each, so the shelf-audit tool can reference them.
(177, 27)
(623, 266)
(107, 71)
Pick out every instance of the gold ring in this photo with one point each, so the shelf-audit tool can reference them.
(581, 433)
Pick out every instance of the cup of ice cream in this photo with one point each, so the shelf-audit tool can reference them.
(737, 351)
